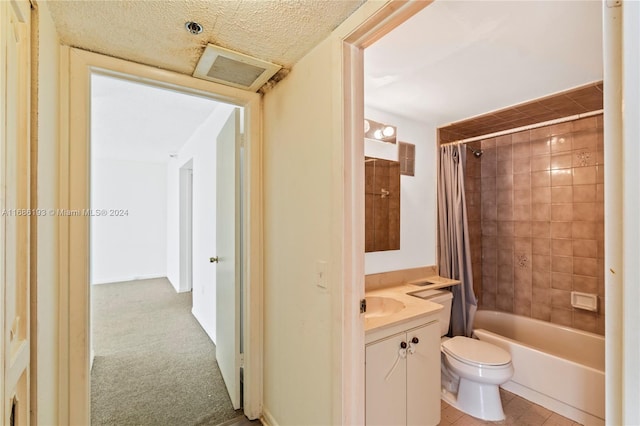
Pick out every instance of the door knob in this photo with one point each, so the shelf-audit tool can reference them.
(214, 259)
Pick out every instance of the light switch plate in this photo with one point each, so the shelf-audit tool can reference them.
(321, 273)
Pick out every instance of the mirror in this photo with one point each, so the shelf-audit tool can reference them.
(382, 204)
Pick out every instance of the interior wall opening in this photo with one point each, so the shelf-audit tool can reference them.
(155, 326)
(492, 60)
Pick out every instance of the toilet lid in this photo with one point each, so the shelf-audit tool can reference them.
(476, 351)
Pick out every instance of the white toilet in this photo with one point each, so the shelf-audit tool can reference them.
(472, 370)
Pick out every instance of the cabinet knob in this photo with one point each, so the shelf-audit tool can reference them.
(415, 340)
(403, 345)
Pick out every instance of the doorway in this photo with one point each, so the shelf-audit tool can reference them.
(75, 234)
(144, 144)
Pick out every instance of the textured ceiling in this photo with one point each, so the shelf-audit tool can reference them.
(458, 59)
(153, 32)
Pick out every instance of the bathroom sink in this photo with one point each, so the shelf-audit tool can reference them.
(382, 306)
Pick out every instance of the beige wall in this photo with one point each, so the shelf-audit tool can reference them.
(47, 146)
(299, 230)
(314, 338)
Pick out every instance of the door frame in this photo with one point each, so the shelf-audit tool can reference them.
(74, 191)
(368, 24)
(185, 219)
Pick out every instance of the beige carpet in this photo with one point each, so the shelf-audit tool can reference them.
(154, 364)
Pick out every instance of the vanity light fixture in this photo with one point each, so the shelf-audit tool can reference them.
(379, 131)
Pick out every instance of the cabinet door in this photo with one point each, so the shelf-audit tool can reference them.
(423, 376)
(386, 380)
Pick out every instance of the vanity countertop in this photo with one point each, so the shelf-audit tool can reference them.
(414, 307)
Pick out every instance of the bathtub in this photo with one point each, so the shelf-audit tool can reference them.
(557, 367)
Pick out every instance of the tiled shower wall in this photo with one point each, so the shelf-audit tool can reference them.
(536, 219)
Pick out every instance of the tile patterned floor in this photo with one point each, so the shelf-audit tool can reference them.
(519, 412)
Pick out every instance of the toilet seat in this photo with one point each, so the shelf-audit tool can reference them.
(476, 353)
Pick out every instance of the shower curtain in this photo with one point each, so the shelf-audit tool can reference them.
(454, 251)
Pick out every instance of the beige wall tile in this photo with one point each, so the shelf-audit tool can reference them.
(561, 128)
(587, 266)
(561, 281)
(585, 248)
(540, 212)
(584, 175)
(522, 181)
(522, 229)
(561, 161)
(562, 194)
(585, 212)
(541, 311)
(504, 302)
(561, 298)
(584, 230)
(541, 279)
(521, 164)
(584, 320)
(561, 143)
(561, 212)
(562, 247)
(585, 140)
(521, 245)
(504, 167)
(540, 179)
(522, 196)
(540, 132)
(585, 284)
(541, 262)
(584, 193)
(561, 316)
(541, 245)
(541, 195)
(541, 229)
(561, 229)
(585, 123)
(541, 162)
(561, 177)
(562, 264)
(521, 212)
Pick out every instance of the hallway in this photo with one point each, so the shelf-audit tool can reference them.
(154, 365)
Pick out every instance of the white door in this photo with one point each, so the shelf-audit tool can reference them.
(14, 203)
(228, 254)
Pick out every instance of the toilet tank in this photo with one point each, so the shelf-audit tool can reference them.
(441, 297)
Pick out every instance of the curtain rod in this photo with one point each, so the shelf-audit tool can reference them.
(528, 127)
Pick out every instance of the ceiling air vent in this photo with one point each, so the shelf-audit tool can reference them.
(234, 69)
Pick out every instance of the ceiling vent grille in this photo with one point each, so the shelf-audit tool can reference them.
(234, 69)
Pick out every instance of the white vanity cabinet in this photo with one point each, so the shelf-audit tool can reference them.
(403, 377)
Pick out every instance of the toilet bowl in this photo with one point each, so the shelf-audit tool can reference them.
(471, 370)
(473, 373)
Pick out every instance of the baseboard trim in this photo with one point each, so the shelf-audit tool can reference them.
(200, 322)
(267, 419)
(126, 279)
